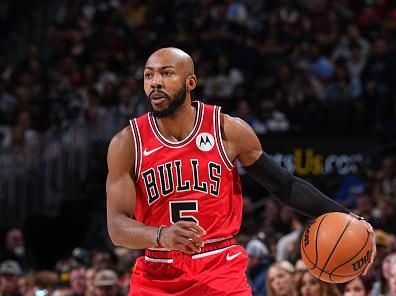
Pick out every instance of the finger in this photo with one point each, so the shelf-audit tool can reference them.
(189, 243)
(185, 248)
(366, 270)
(193, 226)
(373, 254)
(189, 234)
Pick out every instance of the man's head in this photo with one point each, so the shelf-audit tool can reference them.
(256, 251)
(105, 283)
(10, 271)
(77, 280)
(168, 80)
(389, 166)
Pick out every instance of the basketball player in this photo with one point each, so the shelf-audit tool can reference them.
(173, 188)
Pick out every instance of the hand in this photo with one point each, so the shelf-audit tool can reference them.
(183, 236)
(374, 252)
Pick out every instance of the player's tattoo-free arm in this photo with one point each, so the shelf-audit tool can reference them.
(291, 190)
(125, 231)
(121, 197)
(241, 142)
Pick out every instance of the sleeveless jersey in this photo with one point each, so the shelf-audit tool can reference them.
(190, 180)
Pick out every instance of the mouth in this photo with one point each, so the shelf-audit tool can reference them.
(158, 96)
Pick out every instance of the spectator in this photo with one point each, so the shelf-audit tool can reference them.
(77, 281)
(245, 112)
(10, 271)
(380, 287)
(45, 282)
(312, 286)
(386, 177)
(364, 207)
(392, 280)
(258, 264)
(15, 249)
(287, 247)
(25, 285)
(385, 219)
(352, 186)
(89, 281)
(340, 89)
(353, 39)
(360, 286)
(273, 119)
(103, 259)
(355, 65)
(222, 84)
(320, 66)
(106, 283)
(280, 280)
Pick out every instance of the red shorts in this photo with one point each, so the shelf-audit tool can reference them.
(218, 270)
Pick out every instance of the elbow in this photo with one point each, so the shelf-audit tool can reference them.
(114, 234)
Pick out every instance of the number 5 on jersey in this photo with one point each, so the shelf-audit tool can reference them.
(179, 210)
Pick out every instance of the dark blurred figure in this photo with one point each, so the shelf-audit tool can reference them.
(258, 264)
(15, 249)
(352, 186)
(364, 207)
(103, 259)
(386, 218)
(273, 119)
(386, 177)
(378, 78)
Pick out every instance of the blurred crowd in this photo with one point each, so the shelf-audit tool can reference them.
(288, 65)
(280, 65)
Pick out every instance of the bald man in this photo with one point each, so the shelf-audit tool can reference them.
(173, 188)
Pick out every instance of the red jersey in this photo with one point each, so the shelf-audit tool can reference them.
(190, 180)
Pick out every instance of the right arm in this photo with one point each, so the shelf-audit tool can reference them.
(121, 200)
(121, 196)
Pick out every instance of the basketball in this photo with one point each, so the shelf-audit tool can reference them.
(336, 247)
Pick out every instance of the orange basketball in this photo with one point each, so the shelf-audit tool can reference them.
(336, 247)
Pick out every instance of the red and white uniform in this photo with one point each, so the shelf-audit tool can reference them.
(191, 180)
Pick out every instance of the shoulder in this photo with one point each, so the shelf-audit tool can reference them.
(122, 138)
(121, 149)
(234, 127)
(239, 139)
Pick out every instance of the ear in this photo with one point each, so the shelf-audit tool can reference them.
(191, 82)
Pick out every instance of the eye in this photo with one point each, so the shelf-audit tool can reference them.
(167, 73)
(148, 75)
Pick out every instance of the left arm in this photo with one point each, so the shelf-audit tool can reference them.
(242, 143)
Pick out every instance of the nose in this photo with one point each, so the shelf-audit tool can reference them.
(156, 82)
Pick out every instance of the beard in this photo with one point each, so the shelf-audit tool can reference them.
(174, 104)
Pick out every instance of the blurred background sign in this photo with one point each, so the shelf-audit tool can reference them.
(317, 155)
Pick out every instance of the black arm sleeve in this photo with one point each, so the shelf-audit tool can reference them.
(292, 191)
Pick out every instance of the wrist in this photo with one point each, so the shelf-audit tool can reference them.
(356, 216)
(158, 235)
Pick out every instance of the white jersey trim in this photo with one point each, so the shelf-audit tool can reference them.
(211, 253)
(158, 260)
(209, 241)
(219, 141)
(138, 147)
(178, 144)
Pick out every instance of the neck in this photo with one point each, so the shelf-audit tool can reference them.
(177, 126)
